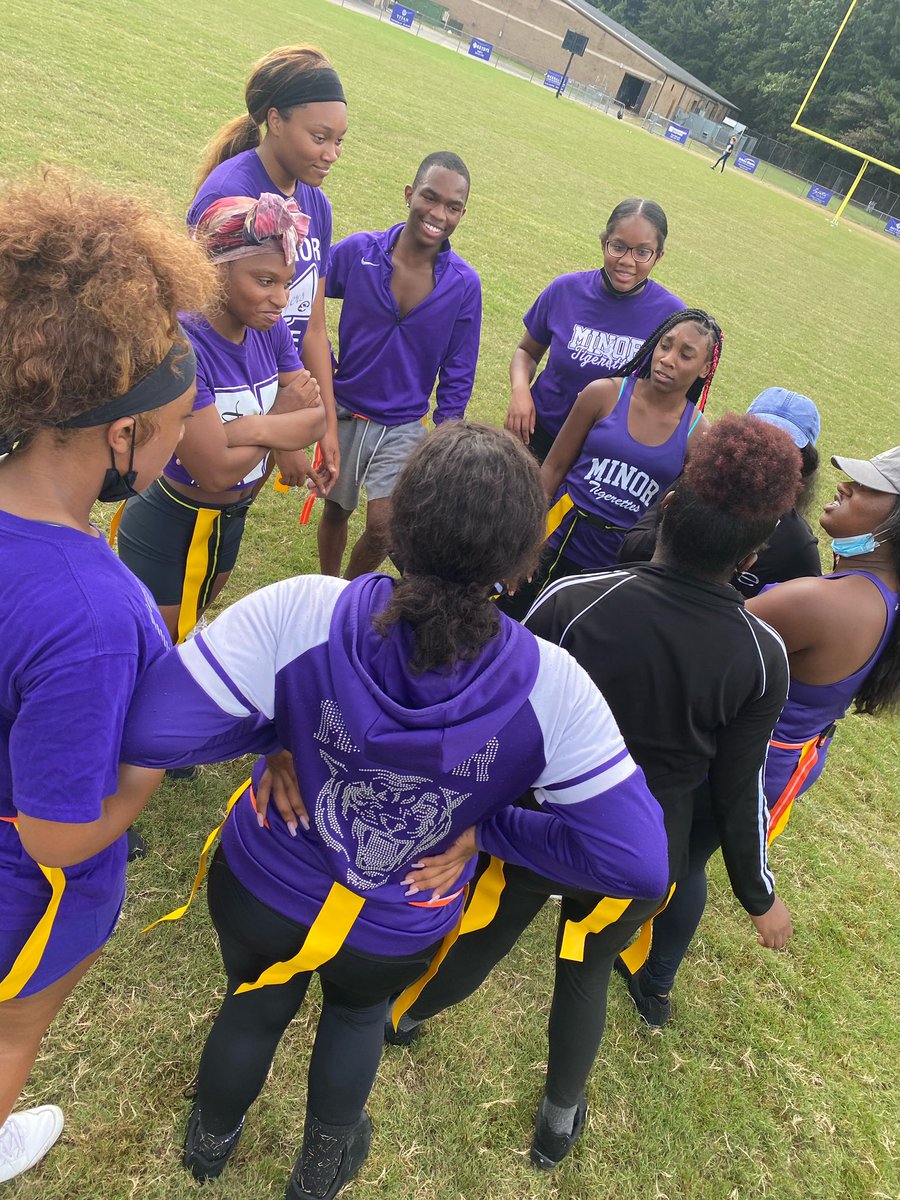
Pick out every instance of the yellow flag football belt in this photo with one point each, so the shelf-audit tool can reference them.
(31, 953)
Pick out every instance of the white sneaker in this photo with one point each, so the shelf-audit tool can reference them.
(26, 1137)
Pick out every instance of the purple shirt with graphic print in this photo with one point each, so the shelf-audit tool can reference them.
(244, 175)
(591, 333)
(241, 380)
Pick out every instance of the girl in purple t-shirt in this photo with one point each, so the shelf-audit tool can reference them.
(591, 322)
(295, 96)
(94, 392)
(622, 445)
(181, 537)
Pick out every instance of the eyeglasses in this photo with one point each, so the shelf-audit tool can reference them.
(619, 249)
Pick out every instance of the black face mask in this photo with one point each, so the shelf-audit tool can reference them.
(116, 486)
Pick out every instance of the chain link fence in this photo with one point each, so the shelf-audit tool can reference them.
(791, 168)
(432, 21)
(796, 160)
(796, 168)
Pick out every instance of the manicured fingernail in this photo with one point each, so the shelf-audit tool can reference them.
(292, 828)
(417, 866)
(305, 823)
(260, 820)
(413, 891)
(435, 896)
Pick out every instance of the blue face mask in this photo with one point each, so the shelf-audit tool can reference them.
(849, 547)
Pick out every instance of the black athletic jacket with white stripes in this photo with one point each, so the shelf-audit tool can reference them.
(696, 684)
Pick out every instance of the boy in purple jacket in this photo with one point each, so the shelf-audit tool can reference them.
(411, 315)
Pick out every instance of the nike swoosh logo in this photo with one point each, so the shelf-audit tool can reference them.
(365, 262)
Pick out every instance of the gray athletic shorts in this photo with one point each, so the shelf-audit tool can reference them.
(372, 456)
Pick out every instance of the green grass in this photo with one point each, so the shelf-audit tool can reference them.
(778, 1078)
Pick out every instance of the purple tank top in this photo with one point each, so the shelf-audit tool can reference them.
(810, 708)
(616, 479)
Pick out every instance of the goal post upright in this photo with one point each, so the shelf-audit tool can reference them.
(795, 124)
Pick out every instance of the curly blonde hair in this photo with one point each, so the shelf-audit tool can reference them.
(91, 283)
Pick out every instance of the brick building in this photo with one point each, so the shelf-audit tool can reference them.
(615, 61)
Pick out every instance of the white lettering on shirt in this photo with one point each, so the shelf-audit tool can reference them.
(598, 348)
(624, 476)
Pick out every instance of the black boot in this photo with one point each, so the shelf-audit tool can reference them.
(331, 1156)
(206, 1154)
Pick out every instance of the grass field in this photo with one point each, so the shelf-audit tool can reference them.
(779, 1076)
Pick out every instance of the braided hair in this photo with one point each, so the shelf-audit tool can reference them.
(699, 389)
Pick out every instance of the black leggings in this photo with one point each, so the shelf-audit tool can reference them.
(578, 1011)
(246, 1033)
(551, 569)
(674, 928)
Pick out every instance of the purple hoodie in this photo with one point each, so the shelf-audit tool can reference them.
(389, 363)
(394, 765)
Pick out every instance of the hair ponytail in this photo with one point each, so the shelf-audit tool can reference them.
(451, 621)
(235, 136)
(269, 77)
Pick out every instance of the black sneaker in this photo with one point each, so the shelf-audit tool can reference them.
(331, 1156)
(548, 1149)
(401, 1037)
(655, 1010)
(206, 1154)
(182, 773)
(137, 847)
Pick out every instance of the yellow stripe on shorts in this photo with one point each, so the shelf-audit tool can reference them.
(327, 934)
(635, 955)
(197, 568)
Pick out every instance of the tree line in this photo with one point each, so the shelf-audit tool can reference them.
(763, 54)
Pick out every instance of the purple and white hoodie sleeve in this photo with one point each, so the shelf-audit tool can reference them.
(213, 697)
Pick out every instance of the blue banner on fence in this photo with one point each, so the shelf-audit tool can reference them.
(677, 133)
(480, 49)
(893, 226)
(401, 15)
(746, 162)
(820, 195)
(553, 79)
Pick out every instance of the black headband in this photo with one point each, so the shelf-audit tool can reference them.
(311, 87)
(165, 383)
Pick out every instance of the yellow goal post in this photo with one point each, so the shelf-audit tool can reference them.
(795, 124)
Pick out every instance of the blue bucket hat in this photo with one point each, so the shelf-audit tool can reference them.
(795, 414)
